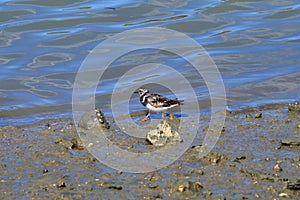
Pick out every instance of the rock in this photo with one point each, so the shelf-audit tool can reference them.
(75, 145)
(92, 118)
(163, 133)
(61, 184)
(294, 107)
(116, 187)
(285, 195)
(241, 157)
(293, 185)
(187, 186)
(277, 167)
(258, 115)
(291, 141)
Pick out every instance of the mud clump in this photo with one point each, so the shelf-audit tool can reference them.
(293, 185)
(291, 141)
(294, 107)
(214, 158)
(186, 186)
(242, 165)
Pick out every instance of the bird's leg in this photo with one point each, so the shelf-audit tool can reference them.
(146, 118)
(162, 115)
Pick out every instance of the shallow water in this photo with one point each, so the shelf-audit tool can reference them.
(255, 45)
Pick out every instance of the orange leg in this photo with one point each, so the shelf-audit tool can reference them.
(146, 118)
(163, 116)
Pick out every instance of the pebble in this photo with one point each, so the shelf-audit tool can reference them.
(291, 141)
(267, 159)
(258, 115)
(283, 195)
(277, 167)
(61, 184)
(90, 144)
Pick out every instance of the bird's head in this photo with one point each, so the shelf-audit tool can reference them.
(142, 91)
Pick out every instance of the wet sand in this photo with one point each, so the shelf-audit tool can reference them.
(253, 159)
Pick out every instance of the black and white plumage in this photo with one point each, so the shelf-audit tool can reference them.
(156, 102)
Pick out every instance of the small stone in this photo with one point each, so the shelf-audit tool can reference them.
(196, 186)
(90, 145)
(119, 172)
(258, 115)
(298, 126)
(267, 159)
(48, 126)
(241, 157)
(285, 195)
(45, 171)
(61, 184)
(291, 141)
(115, 187)
(187, 186)
(277, 167)
(182, 185)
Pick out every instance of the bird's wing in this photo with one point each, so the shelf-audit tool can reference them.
(157, 100)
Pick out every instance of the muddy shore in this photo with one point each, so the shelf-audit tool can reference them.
(256, 157)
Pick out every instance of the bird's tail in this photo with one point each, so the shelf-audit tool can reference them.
(180, 102)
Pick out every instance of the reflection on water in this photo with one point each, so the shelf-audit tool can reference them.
(255, 45)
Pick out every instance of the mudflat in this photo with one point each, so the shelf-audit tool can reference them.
(257, 156)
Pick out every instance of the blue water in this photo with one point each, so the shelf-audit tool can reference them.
(255, 44)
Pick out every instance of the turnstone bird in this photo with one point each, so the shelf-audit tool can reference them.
(156, 102)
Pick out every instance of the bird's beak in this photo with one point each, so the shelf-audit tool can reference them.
(136, 92)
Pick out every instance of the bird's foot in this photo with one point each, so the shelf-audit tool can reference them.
(145, 119)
